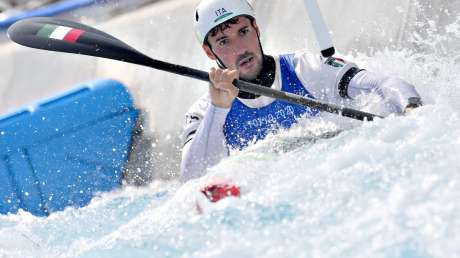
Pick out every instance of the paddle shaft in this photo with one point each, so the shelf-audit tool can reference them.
(261, 90)
(96, 43)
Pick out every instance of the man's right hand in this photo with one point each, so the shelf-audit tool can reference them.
(221, 89)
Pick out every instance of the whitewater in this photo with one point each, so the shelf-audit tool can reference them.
(388, 188)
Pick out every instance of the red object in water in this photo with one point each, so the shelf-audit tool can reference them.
(217, 192)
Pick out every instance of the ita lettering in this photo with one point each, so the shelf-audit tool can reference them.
(220, 12)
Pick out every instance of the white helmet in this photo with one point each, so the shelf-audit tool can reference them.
(211, 13)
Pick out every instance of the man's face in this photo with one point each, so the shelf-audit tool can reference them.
(237, 46)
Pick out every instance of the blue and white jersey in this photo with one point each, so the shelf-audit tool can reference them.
(210, 132)
(246, 124)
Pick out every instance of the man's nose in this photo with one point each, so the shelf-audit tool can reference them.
(239, 47)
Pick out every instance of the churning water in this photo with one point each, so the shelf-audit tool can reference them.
(390, 188)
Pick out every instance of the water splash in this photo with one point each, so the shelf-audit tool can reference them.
(384, 189)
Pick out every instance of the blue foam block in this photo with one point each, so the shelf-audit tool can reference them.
(63, 151)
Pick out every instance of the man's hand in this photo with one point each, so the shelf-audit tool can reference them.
(221, 89)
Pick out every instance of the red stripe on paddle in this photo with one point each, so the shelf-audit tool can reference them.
(73, 35)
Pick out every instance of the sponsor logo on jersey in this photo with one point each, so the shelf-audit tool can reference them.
(271, 119)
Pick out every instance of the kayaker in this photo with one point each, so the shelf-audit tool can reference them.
(227, 119)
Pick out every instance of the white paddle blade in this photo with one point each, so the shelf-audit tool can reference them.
(319, 26)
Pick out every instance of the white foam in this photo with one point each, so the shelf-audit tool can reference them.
(389, 188)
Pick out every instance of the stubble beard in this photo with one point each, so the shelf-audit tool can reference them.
(254, 74)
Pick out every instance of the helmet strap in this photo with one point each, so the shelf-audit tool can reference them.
(218, 61)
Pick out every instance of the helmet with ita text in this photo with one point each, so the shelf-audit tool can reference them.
(211, 13)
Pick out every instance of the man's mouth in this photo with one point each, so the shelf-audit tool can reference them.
(245, 61)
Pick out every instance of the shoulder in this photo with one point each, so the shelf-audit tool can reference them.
(305, 64)
(302, 58)
(198, 109)
(321, 76)
(308, 66)
(317, 63)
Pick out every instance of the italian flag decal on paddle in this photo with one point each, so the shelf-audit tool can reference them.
(60, 33)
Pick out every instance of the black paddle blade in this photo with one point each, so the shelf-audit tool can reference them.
(71, 37)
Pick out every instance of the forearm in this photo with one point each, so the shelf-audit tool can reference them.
(393, 90)
(207, 147)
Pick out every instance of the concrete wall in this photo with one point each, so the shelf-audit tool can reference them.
(28, 75)
(164, 31)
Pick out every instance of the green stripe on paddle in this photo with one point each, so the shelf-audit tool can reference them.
(46, 31)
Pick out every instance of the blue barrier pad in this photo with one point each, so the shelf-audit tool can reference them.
(63, 151)
(49, 10)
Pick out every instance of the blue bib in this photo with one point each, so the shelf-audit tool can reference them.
(245, 125)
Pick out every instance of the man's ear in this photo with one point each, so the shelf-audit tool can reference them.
(209, 52)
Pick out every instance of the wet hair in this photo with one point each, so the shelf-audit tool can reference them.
(226, 25)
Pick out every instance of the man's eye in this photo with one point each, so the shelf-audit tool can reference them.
(223, 42)
(244, 31)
